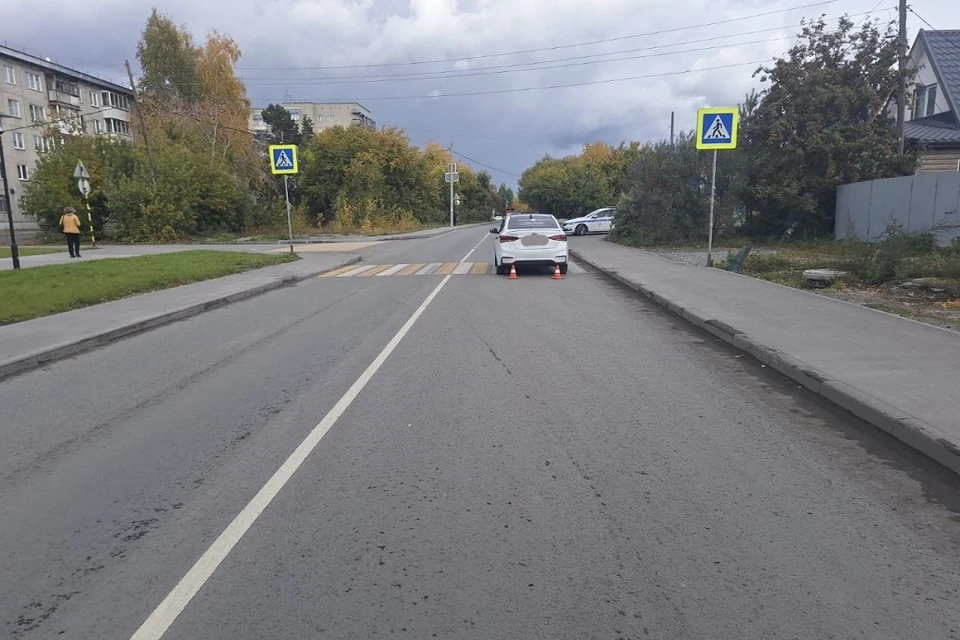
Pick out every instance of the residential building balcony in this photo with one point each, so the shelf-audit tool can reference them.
(63, 98)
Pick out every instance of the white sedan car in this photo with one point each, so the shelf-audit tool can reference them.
(529, 239)
(598, 221)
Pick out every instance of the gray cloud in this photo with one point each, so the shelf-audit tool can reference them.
(289, 45)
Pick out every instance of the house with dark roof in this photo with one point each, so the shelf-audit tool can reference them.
(932, 122)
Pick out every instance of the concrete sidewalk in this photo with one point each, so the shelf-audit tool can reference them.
(31, 344)
(900, 375)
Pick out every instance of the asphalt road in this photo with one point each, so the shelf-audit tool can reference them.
(534, 459)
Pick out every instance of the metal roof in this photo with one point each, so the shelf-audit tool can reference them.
(943, 51)
(933, 130)
(7, 52)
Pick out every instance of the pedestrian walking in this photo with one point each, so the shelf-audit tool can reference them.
(70, 226)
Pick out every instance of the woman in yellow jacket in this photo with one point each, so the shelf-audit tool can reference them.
(70, 225)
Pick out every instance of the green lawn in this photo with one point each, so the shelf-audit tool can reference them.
(40, 291)
(30, 251)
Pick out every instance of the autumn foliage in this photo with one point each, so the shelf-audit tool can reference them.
(192, 167)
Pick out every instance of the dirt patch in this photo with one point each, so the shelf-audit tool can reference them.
(929, 300)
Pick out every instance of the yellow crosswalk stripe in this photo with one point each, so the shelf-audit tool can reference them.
(336, 272)
(375, 270)
(446, 268)
(404, 269)
(410, 270)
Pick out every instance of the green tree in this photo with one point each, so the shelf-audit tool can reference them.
(668, 197)
(53, 187)
(169, 62)
(283, 128)
(505, 196)
(821, 123)
(306, 130)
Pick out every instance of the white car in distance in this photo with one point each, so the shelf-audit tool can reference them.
(597, 221)
(529, 239)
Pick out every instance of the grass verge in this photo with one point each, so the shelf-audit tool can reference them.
(41, 291)
(30, 251)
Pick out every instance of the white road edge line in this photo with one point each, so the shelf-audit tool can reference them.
(177, 600)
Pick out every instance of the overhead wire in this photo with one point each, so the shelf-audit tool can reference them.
(554, 47)
(536, 65)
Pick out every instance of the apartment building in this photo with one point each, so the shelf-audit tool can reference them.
(42, 101)
(322, 114)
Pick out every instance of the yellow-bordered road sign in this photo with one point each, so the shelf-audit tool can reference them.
(283, 159)
(717, 128)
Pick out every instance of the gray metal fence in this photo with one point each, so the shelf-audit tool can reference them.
(922, 203)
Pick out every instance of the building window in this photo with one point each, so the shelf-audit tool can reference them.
(94, 99)
(34, 81)
(117, 126)
(111, 99)
(925, 101)
(37, 113)
(22, 173)
(9, 75)
(18, 140)
(98, 126)
(13, 108)
(3, 204)
(66, 86)
(42, 143)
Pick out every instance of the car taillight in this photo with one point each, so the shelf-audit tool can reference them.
(559, 238)
(508, 239)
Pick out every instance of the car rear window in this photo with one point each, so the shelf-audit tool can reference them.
(532, 222)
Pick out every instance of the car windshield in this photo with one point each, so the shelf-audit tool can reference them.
(532, 222)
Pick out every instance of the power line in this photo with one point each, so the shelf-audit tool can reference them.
(553, 48)
(559, 86)
(471, 74)
(512, 68)
(45, 123)
(930, 26)
(486, 166)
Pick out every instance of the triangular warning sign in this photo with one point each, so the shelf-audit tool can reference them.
(717, 131)
(283, 161)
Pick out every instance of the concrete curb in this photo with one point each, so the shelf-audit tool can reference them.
(389, 238)
(917, 434)
(20, 364)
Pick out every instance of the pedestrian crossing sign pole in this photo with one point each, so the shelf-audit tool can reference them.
(283, 161)
(717, 129)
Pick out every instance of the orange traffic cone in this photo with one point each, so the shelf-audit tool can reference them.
(513, 272)
(556, 272)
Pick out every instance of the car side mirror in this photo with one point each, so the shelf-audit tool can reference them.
(495, 230)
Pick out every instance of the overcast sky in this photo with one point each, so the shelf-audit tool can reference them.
(653, 57)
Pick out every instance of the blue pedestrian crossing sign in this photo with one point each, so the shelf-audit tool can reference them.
(283, 159)
(717, 128)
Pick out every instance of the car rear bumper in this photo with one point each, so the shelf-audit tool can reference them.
(545, 256)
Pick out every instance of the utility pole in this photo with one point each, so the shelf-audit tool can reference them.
(14, 251)
(452, 172)
(671, 128)
(902, 92)
(143, 123)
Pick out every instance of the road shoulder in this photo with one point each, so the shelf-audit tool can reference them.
(896, 374)
(34, 343)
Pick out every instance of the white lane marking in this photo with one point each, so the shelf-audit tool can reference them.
(177, 600)
(354, 272)
(392, 270)
(485, 236)
(463, 268)
(430, 268)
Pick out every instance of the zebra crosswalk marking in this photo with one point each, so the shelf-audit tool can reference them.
(420, 269)
(377, 269)
(392, 270)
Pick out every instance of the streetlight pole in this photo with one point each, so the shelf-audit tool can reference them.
(14, 252)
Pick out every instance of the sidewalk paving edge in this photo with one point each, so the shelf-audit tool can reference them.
(913, 432)
(23, 363)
